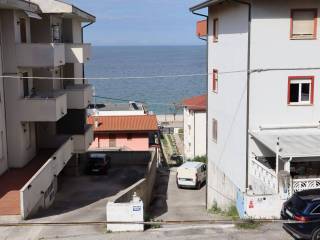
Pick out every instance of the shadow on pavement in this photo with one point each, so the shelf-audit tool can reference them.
(78, 192)
(159, 204)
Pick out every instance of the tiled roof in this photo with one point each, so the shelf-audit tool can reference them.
(124, 123)
(196, 103)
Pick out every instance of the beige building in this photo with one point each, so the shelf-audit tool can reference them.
(42, 117)
(194, 126)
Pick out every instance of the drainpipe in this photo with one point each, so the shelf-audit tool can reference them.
(207, 17)
(248, 84)
(82, 29)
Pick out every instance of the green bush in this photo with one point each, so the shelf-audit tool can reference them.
(202, 159)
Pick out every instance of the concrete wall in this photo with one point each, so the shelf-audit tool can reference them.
(40, 190)
(3, 136)
(138, 142)
(227, 156)
(195, 132)
(119, 208)
(127, 157)
(21, 139)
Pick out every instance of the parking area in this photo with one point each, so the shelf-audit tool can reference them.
(174, 204)
(79, 199)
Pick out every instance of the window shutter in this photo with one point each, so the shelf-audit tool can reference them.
(303, 22)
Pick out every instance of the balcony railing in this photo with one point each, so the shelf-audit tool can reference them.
(78, 96)
(40, 54)
(266, 175)
(77, 53)
(305, 184)
(38, 190)
(202, 28)
(43, 107)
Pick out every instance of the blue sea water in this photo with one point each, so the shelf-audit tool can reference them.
(158, 93)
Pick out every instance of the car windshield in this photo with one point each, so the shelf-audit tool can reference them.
(97, 162)
(298, 204)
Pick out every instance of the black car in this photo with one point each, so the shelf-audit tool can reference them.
(304, 209)
(98, 164)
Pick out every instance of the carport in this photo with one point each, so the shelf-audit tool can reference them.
(297, 152)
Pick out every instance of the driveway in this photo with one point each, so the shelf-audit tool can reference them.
(172, 203)
(80, 199)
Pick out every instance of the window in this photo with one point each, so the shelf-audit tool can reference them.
(215, 80)
(300, 90)
(23, 30)
(316, 210)
(215, 30)
(304, 23)
(25, 81)
(56, 33)
(214, 130)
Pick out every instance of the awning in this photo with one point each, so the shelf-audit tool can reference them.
(32, 15)
(295, 143)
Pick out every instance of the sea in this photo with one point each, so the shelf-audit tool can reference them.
(160, 94)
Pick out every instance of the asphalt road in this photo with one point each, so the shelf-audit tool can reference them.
(174, 204)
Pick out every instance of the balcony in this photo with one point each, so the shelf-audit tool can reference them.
(36, 55)
(82, 142)
(77, 53)
(45, 107)
(78, 96)
(202, 28)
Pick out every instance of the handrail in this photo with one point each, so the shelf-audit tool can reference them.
(270, 171)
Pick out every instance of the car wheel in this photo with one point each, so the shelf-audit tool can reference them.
(316, 235)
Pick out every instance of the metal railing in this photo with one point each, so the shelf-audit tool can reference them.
(305, 184)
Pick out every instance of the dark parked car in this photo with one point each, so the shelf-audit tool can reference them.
(98, 164)
(304, 208)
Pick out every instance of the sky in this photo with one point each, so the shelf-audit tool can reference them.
(140, 22)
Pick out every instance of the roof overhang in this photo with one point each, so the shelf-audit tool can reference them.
(19, 4)
(67, 10)
(205, 4)
(293, 143)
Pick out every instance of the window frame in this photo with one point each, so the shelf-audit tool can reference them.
(214, 130)
(215, 29)
(215, 80)
(301, 78)
(314, 209)
(315, 20)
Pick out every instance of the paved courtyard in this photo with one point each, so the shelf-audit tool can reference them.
(84, 199)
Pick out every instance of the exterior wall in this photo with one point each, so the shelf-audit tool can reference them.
(21, 138)
(294, 54)
(3, 138)
(194, 133)
(139, 142)
(227, 155)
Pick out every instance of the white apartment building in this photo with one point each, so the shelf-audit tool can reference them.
(263, 102)
(194, 126)
(42, 117)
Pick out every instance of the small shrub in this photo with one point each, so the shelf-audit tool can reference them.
(231, 212)
(215, 209)
(202, 159)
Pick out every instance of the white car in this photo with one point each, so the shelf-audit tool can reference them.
(191, 174)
